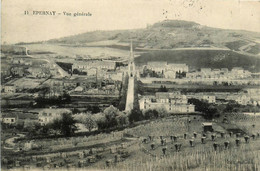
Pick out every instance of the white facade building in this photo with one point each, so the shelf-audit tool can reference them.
(48, 115)
(172, 102)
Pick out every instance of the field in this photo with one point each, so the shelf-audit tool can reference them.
(131, 148)
(72, 50)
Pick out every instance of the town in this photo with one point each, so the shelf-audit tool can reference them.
(97, 112)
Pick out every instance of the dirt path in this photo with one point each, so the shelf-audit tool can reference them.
(10, 142)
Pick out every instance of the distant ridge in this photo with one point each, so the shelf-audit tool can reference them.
(170, 34)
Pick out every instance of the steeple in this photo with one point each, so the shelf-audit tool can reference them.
(131, 65)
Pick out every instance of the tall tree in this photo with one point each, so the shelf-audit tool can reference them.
(87, 119)
(65, 124)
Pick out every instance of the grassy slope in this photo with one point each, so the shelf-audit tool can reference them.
(203, 58)
(167, 34)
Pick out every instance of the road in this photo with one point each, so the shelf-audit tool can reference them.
(188, 48)
(10, 142)
(130, 95)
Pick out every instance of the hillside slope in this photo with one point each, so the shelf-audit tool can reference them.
(171, 34)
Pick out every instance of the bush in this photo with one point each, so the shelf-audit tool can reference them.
(65, 124)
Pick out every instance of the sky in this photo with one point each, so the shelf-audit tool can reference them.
(119, 14)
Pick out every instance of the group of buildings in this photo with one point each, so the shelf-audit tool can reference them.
(24, 66)
(171, 71)
(223, 73)
(91, 67)
(173, 102)
(167, 70)
(40, 116)
(109, 84)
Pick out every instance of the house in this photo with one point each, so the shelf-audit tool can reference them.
(9, 88)
(48, 115)
(10, 118)
(209, 98)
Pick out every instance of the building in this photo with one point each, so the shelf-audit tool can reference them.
(177, 67)
(205, 71)
(9, 88)
(86, 66)
(48, 115)
(10, 118)
(170, 74)
(157, 66)
(209, 98)
(115, 76)
(166, 70)
(173, 102)
(240, 98)
(220, 74)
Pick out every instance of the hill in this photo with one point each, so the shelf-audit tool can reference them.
(170, 34)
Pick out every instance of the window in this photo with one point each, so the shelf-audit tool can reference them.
(12, 120)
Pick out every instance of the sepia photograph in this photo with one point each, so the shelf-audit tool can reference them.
(130, 85)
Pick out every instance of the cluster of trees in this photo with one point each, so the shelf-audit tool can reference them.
(163, 89)
(60, 100)
(155, 113)
(88, 108)
(151, 73)
(209, 110)
(180, 74)
(64, 125)
(111, 117)
(75, 71)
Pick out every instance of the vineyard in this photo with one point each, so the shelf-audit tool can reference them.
(172, 143)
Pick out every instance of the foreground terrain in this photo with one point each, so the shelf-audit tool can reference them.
(131, 148)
